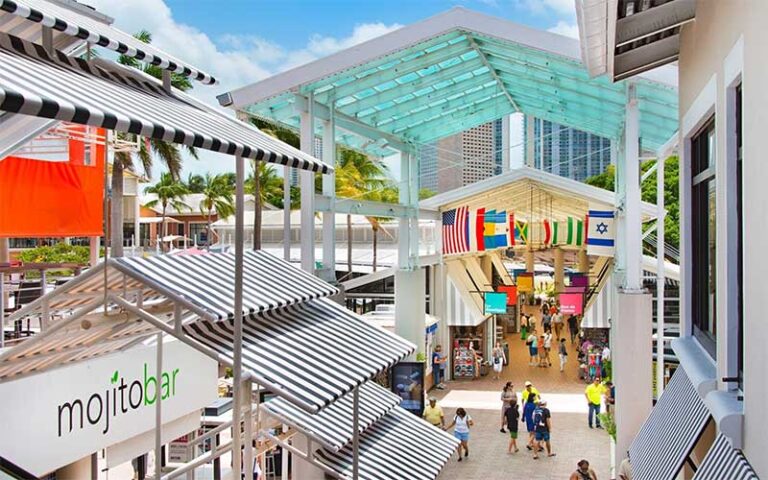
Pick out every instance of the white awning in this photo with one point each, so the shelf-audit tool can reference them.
(465, 300)
(724, 461)
(670, 432)
(77, 25)
(109, 96)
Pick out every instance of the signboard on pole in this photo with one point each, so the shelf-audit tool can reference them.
(511, 291)
(571, 303)
(525, 283)
(494, 303)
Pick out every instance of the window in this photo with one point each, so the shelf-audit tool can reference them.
(739, 237)
(704, 226)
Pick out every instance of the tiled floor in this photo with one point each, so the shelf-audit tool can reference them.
(572, 439)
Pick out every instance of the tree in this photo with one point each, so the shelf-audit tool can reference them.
(217, 195)
(168, 153)
(606, 180)
(196, 183)
(267, 187)
(169, 191)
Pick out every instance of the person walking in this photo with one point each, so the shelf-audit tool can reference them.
(507, 397)
(498, 359)
(546, 322)
(573, 327)
(433, 413)
(533, 349)
(583, 472)
(557, 322)
(530, 396)
(438, 367)
(462, 423)
(512, 417)
(548, 348)
(542, 419)
(523, 326)
(562, 352)
(594, 395)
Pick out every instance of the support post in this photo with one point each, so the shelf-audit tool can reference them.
(559, 270)
(287, 214)
(2, 310)
(237, 371)
(137, 221)
(583, 260)
(660, 275)
(307, 180)
(529, 261)
(404, 230)
(158, 408)
(248, 459)
(632, 217)
(329, 190)
(356, 434)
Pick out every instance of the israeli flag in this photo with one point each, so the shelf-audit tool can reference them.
(601, 232)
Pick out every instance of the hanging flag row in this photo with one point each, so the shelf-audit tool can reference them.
(466, 230)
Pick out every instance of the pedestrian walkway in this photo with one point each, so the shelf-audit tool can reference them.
(572, 439)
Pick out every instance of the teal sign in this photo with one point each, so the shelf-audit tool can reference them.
(495, 302)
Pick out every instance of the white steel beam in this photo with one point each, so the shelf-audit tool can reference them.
(495, 75)
(237, 350)
(352, 206)
(307, 181)
(654, 20)
(631, 179)
(329, 192)
(660, 276)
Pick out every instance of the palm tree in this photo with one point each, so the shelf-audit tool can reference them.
(217, 195)
(169, 191)
(168, 153)
(267, 187)
(196, 183)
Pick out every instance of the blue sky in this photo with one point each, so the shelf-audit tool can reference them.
(243, 41)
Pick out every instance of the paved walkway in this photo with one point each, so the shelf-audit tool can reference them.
(572, 439)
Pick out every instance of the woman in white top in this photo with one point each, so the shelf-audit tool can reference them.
(507, 397)
(499, 359)
(463, 422)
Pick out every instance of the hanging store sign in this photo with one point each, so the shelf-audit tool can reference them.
(494, 303)
(571, 303)
(525, 283)
(74, 411)
(511, 291)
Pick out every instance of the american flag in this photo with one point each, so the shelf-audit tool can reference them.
(456, 230)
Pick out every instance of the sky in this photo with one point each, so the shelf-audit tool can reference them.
(242, 41)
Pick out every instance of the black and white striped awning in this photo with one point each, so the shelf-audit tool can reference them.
(311, 353)
(723, 461)
(207, 281)
(399, 446)
(332, 426)
(670, 432)
(106, 95)
(70, 22)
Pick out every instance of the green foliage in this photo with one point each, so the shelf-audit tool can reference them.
(271, 185)
(196, 183)
(608, 423)
(59, 253)
(421, 357)
(605, 181)
(217, 195)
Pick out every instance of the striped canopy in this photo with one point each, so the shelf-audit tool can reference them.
(78, 25)
(670, 432)
(206, 281)
(332, 427)
(312, 353)
(724, 461)
(107, 95)
(399, 446)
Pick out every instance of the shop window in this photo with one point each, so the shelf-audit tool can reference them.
(704, 227)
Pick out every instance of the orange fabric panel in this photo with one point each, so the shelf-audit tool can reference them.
(53, 199)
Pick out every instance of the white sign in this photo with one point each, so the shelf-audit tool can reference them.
(55, 418)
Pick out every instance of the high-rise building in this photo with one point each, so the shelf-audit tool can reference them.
(318, 153)
(565, 151)
(462, 159)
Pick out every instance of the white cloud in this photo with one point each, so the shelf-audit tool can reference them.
(562, 8)
(565, 28)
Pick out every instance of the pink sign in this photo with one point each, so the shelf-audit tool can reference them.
(571, 303)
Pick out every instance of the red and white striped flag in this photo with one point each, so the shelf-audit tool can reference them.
(456, 231)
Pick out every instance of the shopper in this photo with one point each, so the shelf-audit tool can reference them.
(557, 322)
(562, 352)
(462, 422)
(512, 417)
(530, 396)
(533, 349)
(438, 367)
(594, 395)
(546, 322)
(625, 470)
(548, 348)
(573, 327)
(610, 396)
(433, 413)
(499, 359)
(583, 472)
(507, 397)
(523, 326)
(542, 419)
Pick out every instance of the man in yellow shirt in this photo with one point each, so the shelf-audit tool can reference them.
(434, 414)
(594, 395)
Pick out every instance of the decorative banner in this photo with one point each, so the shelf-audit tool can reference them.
(569, 232)
(525, 283)
(579, 280)
(456, 231)
(494, 302)
(571, 303)
(521, 233)
(477, 230)
(601, 233)
(511, 291)
(573, 289)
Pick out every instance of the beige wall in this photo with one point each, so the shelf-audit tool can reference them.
(707, 48)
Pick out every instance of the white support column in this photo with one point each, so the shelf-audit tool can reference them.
(237, 369)
(158, 408)
(633, 280)
(287, 213)
(307, 183)
(404, 231)
(413, 204)
(329, 190)
(660, 275)
(136, 220)
(356, 434)
(248, 459)
(559, 257)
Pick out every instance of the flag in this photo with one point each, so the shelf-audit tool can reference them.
(601, 233)
(511, 230)
(569, 232)
(501, 230)
(477, 230)
(521, 232)
(547, 232)
(456, 230)
(495, 229)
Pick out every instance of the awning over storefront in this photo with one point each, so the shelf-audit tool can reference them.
(670, 431)
(465, 300)
(312, 353)
(398, 446)
(724, 461)
(106, 95)
(81, 26)
(332, 427)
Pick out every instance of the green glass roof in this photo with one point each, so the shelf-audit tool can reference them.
(460, 78)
